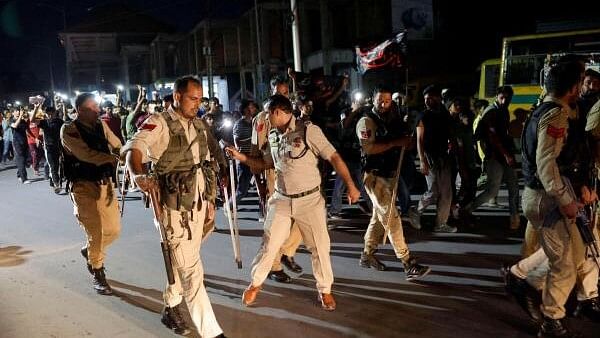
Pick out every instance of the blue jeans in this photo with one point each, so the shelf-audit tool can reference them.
(339, 187)
(8, 150)
(244, 175)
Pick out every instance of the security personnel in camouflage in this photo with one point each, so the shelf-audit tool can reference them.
(89, 149)
(177, 143)
(381, 153)
(545, 162)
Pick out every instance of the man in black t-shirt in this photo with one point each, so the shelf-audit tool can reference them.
(20, 128)
(433, 136)
(52, 146)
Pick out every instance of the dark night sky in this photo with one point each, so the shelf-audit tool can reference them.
(25, 26)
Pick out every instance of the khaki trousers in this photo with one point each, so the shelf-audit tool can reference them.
(290, 246)
(567, 260)
(309, 215)
(97, 211)
(379, 190)
(185, 243)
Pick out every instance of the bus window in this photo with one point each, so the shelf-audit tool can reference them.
(524, 70)
(492, 75)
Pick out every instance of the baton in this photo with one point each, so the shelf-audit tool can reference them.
(232, 224)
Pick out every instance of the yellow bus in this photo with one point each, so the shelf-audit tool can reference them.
(522, 63)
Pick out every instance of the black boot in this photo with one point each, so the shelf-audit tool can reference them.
(172, 318)
(528, 298)
(100, 284)
(413, 270)
(370, 261)
(84, 253)
(291, 264)
(556, 328)
(589, 308)
(280, 276)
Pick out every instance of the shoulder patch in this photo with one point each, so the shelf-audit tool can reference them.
(365, 134)
(555, 132)
(260, 126)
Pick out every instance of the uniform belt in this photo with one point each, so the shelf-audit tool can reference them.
(302, 194)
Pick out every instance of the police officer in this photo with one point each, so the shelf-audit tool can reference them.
(89, 163)
(547, 159)
(380, 147)
(294, 151)
(176, 142)
(260, 129)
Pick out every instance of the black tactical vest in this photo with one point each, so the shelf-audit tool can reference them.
(77, 170)
(382, 164)
(574, 160)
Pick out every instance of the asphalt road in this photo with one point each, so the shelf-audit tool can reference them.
(45, 290)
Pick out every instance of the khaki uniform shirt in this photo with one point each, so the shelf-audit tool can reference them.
(152, 139)
(296, 175)
(552, 132)
(73, 143)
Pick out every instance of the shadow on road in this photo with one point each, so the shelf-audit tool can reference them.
(12, 256)
(150, 299)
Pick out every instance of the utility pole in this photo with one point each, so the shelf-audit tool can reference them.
(259, 71)
(207, 50)
(296, 37)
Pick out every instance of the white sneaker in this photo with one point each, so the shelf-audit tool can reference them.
(444, 228)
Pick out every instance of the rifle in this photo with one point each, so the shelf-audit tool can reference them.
(164, 243)
(585, 222)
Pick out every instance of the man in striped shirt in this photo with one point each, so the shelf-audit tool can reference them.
(242, 136)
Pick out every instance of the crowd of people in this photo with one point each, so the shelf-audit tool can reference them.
(290, 147)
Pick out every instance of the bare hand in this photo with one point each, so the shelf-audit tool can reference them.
(588, 196)
(353, 194)
(570, 210)
(510, 160)
(234, 153)
(146, 183)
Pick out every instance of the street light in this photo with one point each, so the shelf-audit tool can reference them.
(17, 103)
(120, 87)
